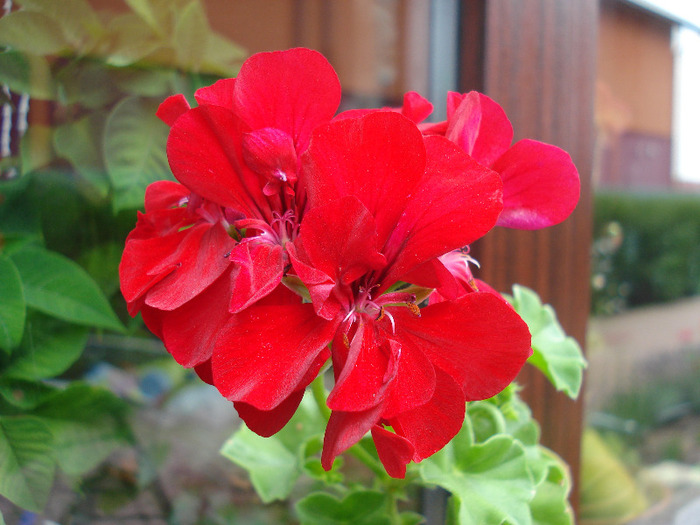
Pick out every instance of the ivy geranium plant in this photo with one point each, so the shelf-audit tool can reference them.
(305, 250)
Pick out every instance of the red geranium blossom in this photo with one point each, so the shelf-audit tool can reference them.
(383, 201)
(540, 182)
(214, 244)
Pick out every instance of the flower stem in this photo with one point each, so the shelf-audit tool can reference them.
(365, 457)
(319, 392)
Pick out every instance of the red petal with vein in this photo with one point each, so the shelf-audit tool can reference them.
(190, 331)
(344, 429)
(220, 93)
(394, 451)
(319, 285)
(481, 128)
(270, 152)
(294, 90)
(477, 339)
(171, 108)
(379, 158)
(456, 202)
(204, 152)
(196, 262)
(265, 423)
(540, 185)
(265, 353)
(340, 240)
(141, 266)
(257, 272)
(414, 382)
(164, 194)
(431, 426)
(362, 382)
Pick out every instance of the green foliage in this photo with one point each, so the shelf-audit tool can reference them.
(56, 286)
(497, 472)
(134, 146)
(28, 464)
(276, 463)
(558, 356)
(12, 306)
(362, 507)
(646, 249)
(61, 232)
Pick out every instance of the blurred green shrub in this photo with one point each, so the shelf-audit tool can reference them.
(70, 185)
(646, 249)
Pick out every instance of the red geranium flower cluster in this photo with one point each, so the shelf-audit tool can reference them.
(296, 237)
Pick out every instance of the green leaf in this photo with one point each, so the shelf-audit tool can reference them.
(49, 347)
(27, 465)
(558, 356)
(80, 142)
(550, 506)
(191, 36)
(145, 82)
(134, 150)
(32, 32)
(222, 56)
(13, 308)
(87, 423)
(24, 395)
(55, 285)
(88, 83)
(132, 40)
(146, 11)
(362, 507)
(273, 469)
(78, 21)
(19, 221)
(27, 73)
(490, 482)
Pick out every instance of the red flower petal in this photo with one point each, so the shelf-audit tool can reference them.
(415, 107)
(344, 429)
(270, 152)
(477, 339)
(340, 240)
(414, 381)
(265, 423)
(431, 426)
(258, 269)
(190, 331)
(268, 422)
(378, 158)
(198, 259)
(540, 185)
(204, 152)
(394, 451)
(365, 374)
(294, 90)
(266, 351)
(220, 93)
(171, 108)
(456, 202)
(480, 127)
(164, 194)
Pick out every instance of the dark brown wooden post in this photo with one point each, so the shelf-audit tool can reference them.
(537, 59)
